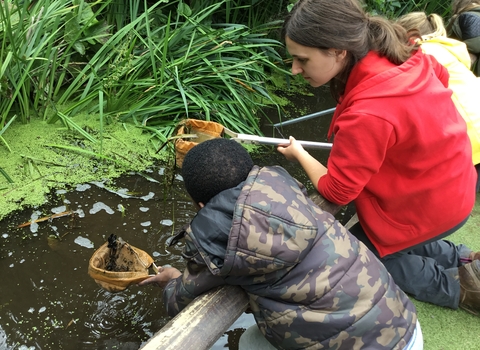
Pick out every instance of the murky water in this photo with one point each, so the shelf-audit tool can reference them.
(47, 299)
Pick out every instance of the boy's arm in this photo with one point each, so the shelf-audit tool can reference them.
(180, 289)
(161, 279)
(195, 280)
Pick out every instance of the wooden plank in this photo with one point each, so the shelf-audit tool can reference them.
(324, 204)
(353, 220)
(205, 319)
(202, 322)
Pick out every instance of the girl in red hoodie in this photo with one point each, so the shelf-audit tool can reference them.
(401, 150)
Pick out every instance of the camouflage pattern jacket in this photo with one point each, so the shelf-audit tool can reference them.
(311, 284)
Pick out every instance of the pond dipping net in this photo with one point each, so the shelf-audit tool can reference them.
(117, 264)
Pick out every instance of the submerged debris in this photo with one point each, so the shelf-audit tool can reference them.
(116, 244)
(50, 217)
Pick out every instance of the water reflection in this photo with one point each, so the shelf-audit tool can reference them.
(121, 316)
(47, 299)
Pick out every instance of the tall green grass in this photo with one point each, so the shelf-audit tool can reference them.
(166, 69)
(396, 8)
(252, 13)
(39, 42)
(153, 65)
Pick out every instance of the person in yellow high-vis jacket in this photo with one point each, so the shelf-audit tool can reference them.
(430, 33)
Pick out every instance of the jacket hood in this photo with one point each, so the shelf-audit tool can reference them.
(456, 48)
(375, 77)
(264, 225)
(211, 226)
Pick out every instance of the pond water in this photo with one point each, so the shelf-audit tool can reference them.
(47, 299)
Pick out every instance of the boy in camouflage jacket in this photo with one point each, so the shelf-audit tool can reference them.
(311, 284)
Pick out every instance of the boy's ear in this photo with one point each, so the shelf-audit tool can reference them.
(201, 205)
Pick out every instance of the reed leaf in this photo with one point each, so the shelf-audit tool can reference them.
(92, 154)
(6, 176)
(72, 125)
(3, 130)
(100, 103)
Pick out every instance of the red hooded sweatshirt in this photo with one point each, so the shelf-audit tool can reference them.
(401, 151)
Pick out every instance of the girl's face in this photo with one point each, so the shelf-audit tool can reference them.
(316, 66)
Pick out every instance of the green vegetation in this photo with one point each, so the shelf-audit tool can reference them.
(143, 69)
(396, 8)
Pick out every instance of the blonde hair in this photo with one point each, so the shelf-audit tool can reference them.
(419, 24)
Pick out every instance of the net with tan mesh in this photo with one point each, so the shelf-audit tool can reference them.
(191, 132)
(117, 265)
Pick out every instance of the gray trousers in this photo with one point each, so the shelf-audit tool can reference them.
(428, 272)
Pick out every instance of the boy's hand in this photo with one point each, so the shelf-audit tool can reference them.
(161, 279)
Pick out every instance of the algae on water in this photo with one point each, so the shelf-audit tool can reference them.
(50, 156)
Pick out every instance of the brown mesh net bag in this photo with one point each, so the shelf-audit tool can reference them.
(117, 264)
(195, 131)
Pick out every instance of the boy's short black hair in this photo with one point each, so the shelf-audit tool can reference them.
(213, 166)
